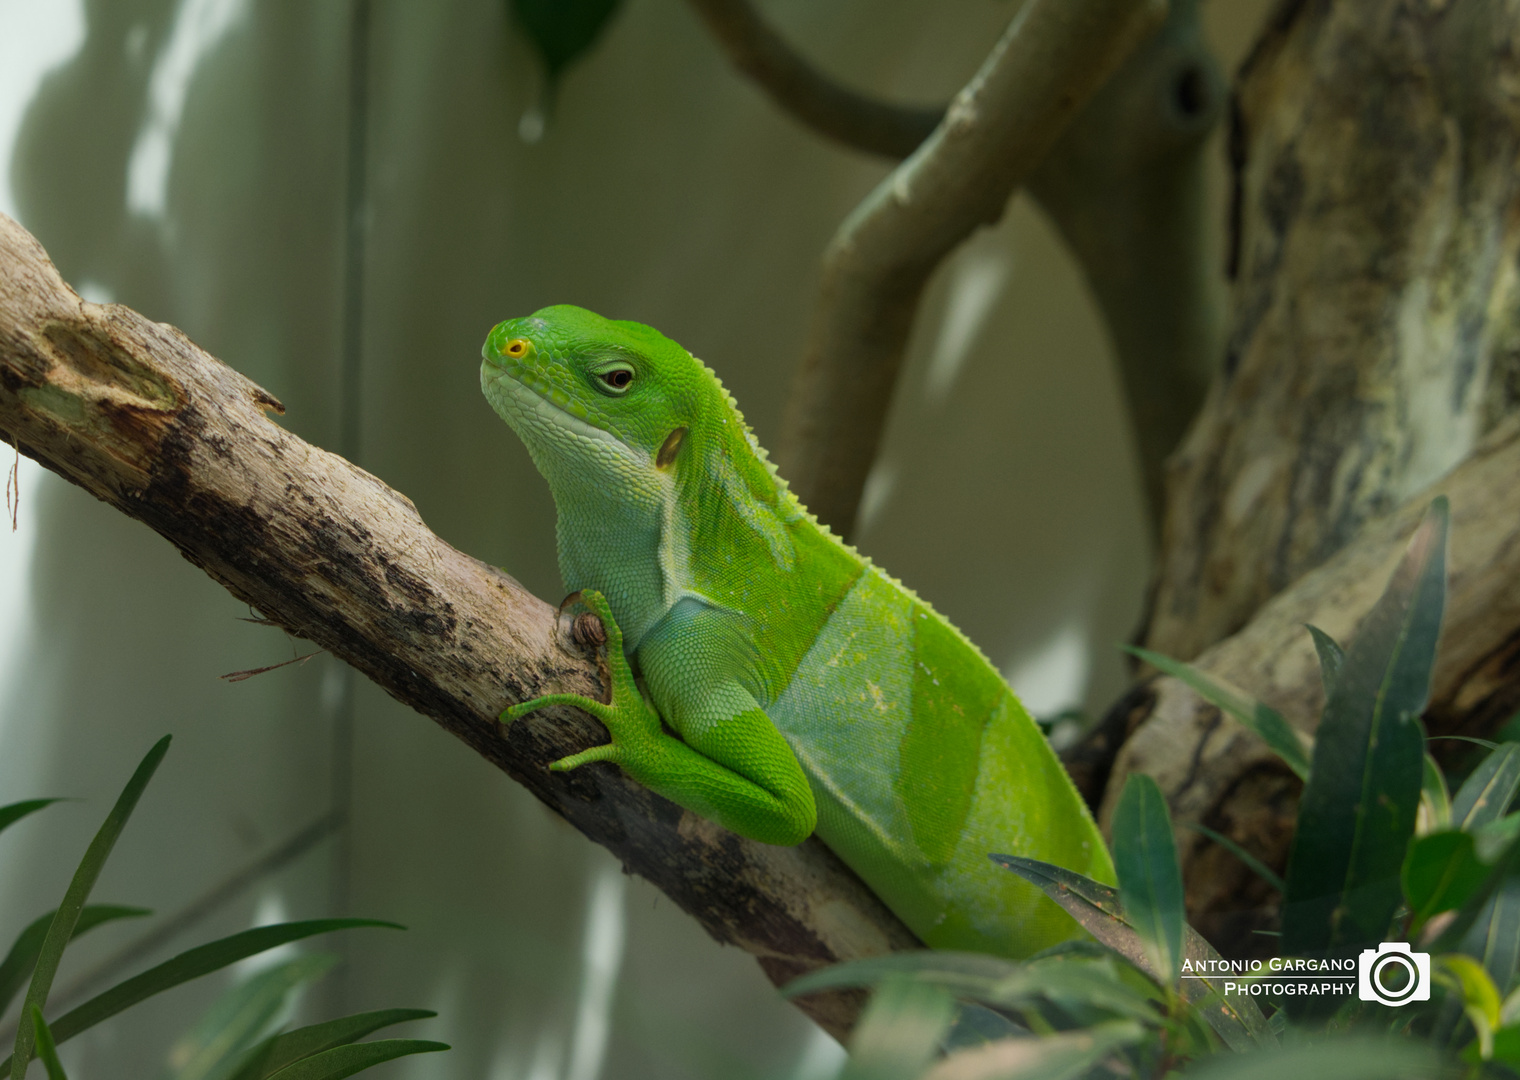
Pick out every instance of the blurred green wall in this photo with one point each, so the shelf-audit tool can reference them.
(187, 158)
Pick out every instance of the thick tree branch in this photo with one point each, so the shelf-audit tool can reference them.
(1051, 60)
(808, 94)
(134, 413)
(1124, 185)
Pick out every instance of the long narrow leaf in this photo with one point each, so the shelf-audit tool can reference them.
(1435, 800)
(17, 966)
(1266, 722)
(1235, 1019)
(1487, 793)
(62, 927)
(1358, 809)
(1150, 882)
(46, 1049)
(1494, 938)
(1053, 1057)
(964, 974)
(217, 1046)
(343, 1061)
(1255, 865)
(1350, 1057)
(899, 1031)
(13, 813)
(1331, 657)
(194, 963)
(1505, 866)
(301, 1043)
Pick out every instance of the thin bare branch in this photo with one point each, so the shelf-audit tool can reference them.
(1051, 60)
(133, 412)
(829, 108)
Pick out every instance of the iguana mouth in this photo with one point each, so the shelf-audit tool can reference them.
(529, 406)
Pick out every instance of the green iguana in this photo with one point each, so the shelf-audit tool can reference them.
(809, 689)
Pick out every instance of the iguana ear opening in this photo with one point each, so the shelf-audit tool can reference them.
(670, 448)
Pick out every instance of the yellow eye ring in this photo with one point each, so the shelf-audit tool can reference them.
(516, 348)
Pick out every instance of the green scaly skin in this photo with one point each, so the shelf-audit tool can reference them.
(810, 690)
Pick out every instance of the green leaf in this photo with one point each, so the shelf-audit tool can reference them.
(1066, 979)
(217, 1046)
(13, 813)
(46, 1049)
(192, 964)
(1506, 1047)
(1494, 937)
(1348, 1057)
(1441, 872)
(561, 30)
(17, 966)
(1435, 800)
(1358, 808)
(899, 1031)
(1331, 657)
(964, 974)
(1267, 723)
(1150, 883)
(343, 1061)
(1479, 996)
(61, 929)
(293, 1046)
(1487, 793)
(1506, 865)
(1235, 1019)
(1259, 868)
(1052, 1057)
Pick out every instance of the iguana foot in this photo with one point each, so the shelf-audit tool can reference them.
(633, 724)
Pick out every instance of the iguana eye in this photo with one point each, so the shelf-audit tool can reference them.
(616, 379)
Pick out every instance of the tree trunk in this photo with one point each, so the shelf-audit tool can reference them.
(1375, 341)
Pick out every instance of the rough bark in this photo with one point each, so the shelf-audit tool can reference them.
(133, 412)
(1375, 339)
(1216, 772)
(1376, 327)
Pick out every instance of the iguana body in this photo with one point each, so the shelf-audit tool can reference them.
(807, 687)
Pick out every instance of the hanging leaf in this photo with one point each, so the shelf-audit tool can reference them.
(1358, 809)
(562, 30)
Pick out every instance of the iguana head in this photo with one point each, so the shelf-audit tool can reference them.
(565, 375)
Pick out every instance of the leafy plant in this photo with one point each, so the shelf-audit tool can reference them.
(1382, 852)
(229, 1042)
